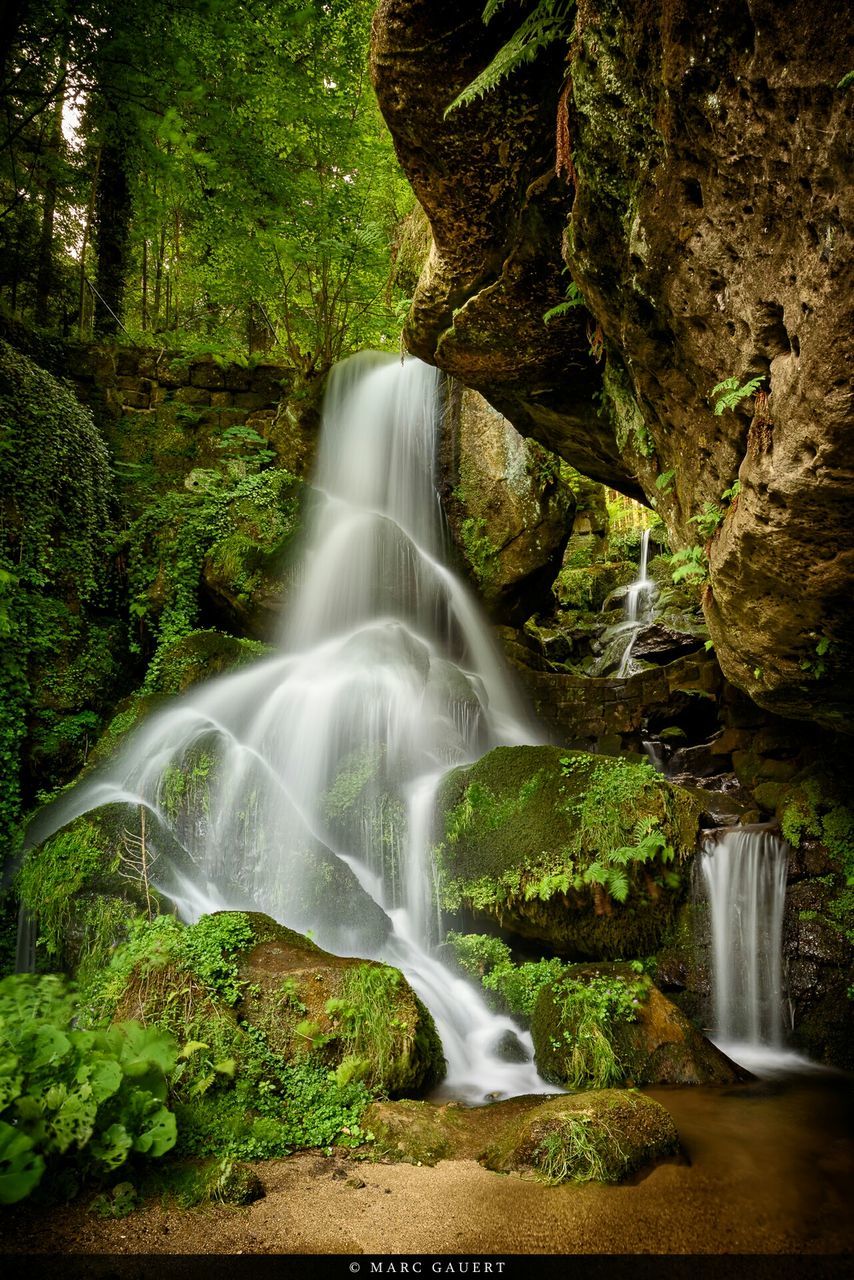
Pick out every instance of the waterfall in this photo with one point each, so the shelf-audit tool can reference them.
(744, 871)
(642, 587)
(323, 761)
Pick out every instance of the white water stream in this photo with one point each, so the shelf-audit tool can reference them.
(387, 676)
(744, 872)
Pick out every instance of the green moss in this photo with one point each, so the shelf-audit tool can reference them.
(600, 1137)
(623, 411)
(580, 851)
(57, 664)
(816, 806)
(478, 548)
(513, 988)
(576, 1023)
(52, 877)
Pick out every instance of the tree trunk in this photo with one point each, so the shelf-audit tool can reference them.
(113, 227)
(44, 269)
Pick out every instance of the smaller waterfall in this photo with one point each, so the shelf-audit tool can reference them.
(639, 594)
(744, 872)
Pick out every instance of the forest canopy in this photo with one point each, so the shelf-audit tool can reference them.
(214, 173)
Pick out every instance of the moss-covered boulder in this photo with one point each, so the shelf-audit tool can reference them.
(247, 573)
(606, 1024)
(581, 852)
(415, 1132)
(87, 881)
(202, 655)
(361, 1017)
(601, 1137)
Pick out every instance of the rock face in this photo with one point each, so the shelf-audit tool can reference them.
(706, 229)
(522, 841)
(485, 179)
(508, 509)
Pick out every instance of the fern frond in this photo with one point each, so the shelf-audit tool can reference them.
(548, 21)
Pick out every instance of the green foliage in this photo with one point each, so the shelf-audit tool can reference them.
(55, 499)
(169, 541)
(846, 81)
(53, 874)
(516, 985)
(620, 799)
(572, 300)
(86, 1098)
(691, 565)
(729, 394)
(586, 1014)
(572, 1152)
(818, 663)
(546, 21)
(664, 482)
(708, 520)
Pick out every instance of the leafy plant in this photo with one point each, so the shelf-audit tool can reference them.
(690, 564)
(708, 520)
(817, 664)
(729, 394)
(571, 1152)
(664, 482)
(585, 1016)
(90, 1098)
(548, 20)
(572, 300)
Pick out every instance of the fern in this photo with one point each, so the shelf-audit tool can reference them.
(573, 299)
(548, 21)
(728, 394)
(846, 81)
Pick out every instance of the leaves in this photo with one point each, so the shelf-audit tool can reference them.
(548, 20)
(728, 394)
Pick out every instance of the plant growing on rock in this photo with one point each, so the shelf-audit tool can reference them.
(549, 20)
(729, 394)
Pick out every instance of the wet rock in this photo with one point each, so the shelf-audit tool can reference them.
(655, 1045)
(695, 135)
(603, 1136)
(508, 509)
(240, 1185)
(509, 1048)
(513, 846)
(660, 644)
(307, 1000)
(415, 1132)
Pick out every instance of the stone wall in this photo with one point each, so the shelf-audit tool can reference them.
(158, 404)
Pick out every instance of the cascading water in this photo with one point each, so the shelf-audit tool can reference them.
(327, 757)
(744, 872)
(639, 591)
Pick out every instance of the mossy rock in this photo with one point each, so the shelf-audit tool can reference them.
(247, 573)
(588, 588)
(603, 1137)
(414, 1132)
(82, 884)
(202, 655)
(656, 1044)
(551, 845)
(358, 1015)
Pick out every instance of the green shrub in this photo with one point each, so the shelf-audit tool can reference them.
(516, 986)
(86, 1098)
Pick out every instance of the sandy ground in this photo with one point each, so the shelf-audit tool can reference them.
(761, 1175)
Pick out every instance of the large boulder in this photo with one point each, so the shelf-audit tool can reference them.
(581, 852)
(507, 506)
(610, 1011)
(356, 1014)
(703, 219)
(602, 1137)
